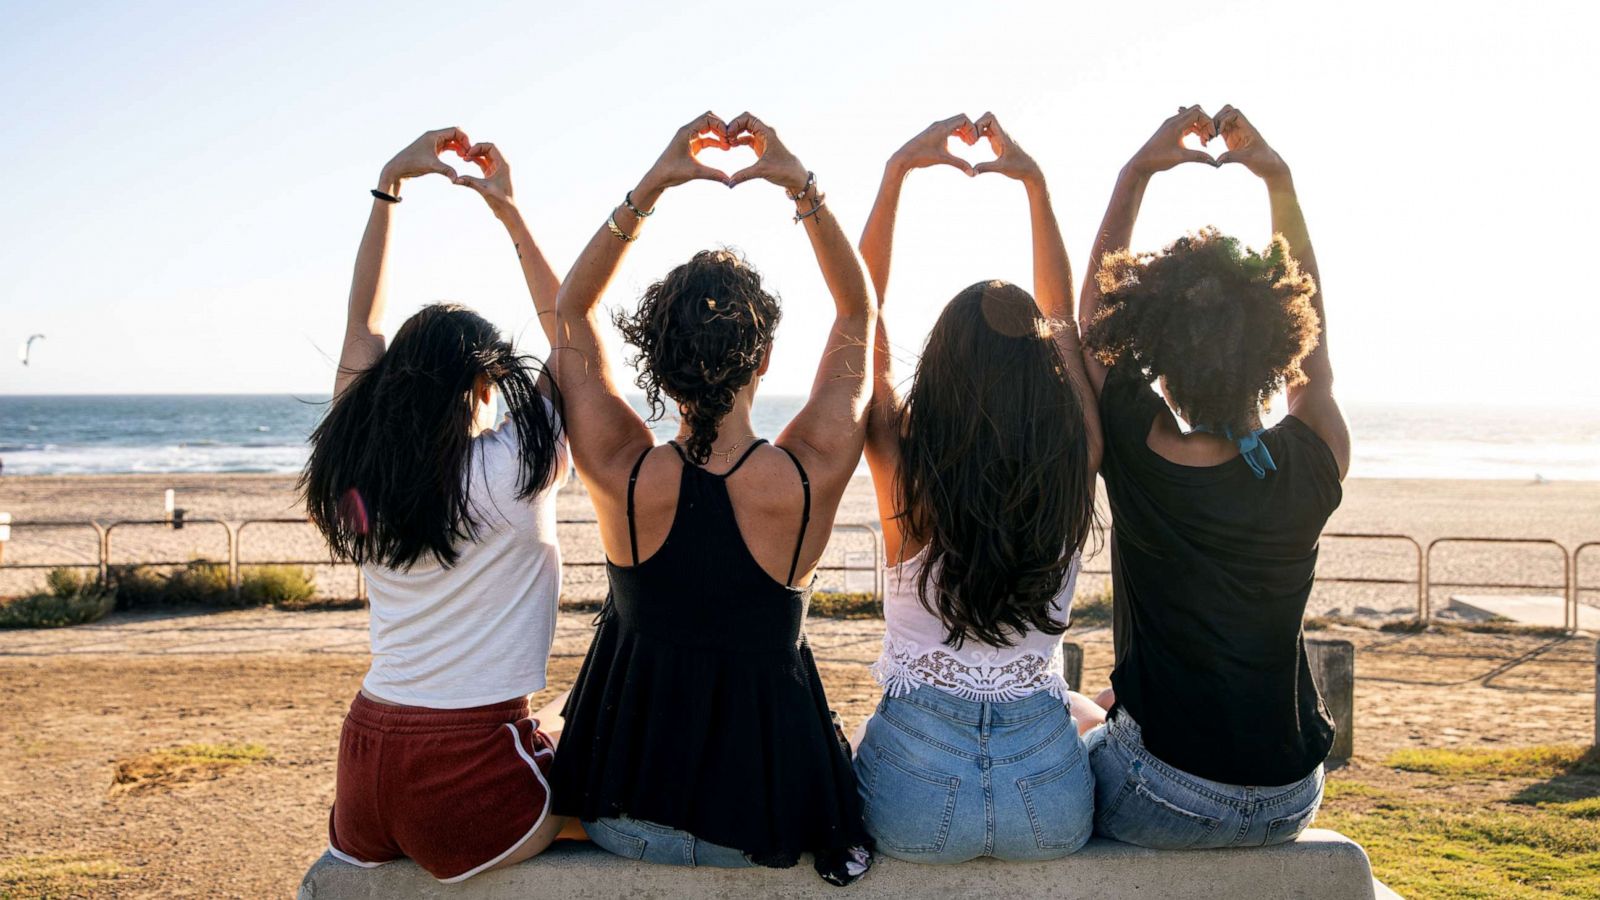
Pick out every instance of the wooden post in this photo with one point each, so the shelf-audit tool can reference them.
(1333, 668)
(1072, 665)
(1597, 693)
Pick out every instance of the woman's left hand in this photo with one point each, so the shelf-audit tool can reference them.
(773, 163)
(1010, 160)
(495, 184)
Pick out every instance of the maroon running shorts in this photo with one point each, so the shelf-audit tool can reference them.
(454, 789)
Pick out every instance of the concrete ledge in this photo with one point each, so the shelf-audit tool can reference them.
(1321, 864)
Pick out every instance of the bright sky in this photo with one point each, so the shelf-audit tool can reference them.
(185, 186)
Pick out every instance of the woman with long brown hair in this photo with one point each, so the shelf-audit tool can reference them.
(985, 475)
(698, 732)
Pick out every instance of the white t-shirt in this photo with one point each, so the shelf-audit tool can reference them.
(915, 652)
(478, 632)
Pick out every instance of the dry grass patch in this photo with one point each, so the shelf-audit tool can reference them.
(53, 874)
(190, 762)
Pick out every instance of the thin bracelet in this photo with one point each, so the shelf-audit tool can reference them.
(386, 197)
(816, 204)
(811, 180)
(611, 223)
(627, 200)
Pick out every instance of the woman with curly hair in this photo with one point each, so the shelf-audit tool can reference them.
(985, 481)
(698, 732)
(452, 518)
(1216, 733)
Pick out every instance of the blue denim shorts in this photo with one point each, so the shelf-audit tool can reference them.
(647, 841)
(1141, 800)
(945, 780)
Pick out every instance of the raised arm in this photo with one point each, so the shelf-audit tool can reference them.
(495, 188)
(1312, 402)
(1052, 271)
(1161, 152)
(828, 432)
(364, 340)
(930, 148)
(605, 432)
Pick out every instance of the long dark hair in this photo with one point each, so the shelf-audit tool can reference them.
(994, 468)
(387, 481)
(702, 333)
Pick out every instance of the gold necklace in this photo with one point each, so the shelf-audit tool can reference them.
(727, 455)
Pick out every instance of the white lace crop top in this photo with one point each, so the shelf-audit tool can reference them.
(914, 650)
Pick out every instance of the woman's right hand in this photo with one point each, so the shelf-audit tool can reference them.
(421, 157)
(932, 146)
(1165, 148)
(678, 165)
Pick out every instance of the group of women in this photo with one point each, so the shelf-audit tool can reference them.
(697, 731)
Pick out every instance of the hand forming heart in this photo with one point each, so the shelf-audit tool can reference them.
(932, 148)
(1165, 148)
(421, 156)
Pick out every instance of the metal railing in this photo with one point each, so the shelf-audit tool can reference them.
(1424, 612)
(1569, 588)
(1569, 615)
(235, 533)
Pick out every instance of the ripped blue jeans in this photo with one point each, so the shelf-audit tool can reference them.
(1141, 800)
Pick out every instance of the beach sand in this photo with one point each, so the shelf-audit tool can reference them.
(1566, 512)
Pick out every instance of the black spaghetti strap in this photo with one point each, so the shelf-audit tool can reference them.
(752, 449)
(805, 516)
(633, 479)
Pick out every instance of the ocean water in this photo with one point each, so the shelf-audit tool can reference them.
(42, 435)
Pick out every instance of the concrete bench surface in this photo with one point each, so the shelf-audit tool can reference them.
(1321, 864)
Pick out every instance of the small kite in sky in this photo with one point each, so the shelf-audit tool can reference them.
(26, 351)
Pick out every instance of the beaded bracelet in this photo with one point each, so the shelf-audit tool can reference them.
(811, 181)
(627, 200)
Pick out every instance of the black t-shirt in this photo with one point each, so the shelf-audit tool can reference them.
(1211, 569)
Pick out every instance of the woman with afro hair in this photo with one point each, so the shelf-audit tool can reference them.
(1216, 734)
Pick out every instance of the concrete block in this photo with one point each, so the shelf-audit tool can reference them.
(1321, 865)
(1333, 668)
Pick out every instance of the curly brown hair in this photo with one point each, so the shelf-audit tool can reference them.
(1225, 326)
(702, 333)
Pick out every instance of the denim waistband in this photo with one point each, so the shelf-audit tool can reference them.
(979, 712)
(1122, 728)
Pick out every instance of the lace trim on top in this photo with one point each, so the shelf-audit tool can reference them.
(971, 675)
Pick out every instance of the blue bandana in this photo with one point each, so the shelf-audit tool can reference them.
(1254, 452)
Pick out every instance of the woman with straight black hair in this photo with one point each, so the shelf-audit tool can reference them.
(451, 517)
(985, 480)
(1216, 733)
(698, 732)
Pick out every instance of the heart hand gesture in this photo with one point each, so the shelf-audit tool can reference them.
(1246, 147)
(1010, 160)
(1165, 148)
(932, 146)
(495, 185)
(773, 163)
(678, 163)
(421, 157)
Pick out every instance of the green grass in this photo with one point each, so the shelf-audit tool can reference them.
(286, 587)
(1092, 610)
(53, 874)
(1522, 762)
(1478, 823)
(845, 605)
(72, 598)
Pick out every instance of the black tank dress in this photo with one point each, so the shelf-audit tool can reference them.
(699, 706)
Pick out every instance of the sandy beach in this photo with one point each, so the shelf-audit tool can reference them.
(1566, 512)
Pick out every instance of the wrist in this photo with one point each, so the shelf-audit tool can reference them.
(1279, 181)
(389, 182)
(1133, 174)
(647, 192)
